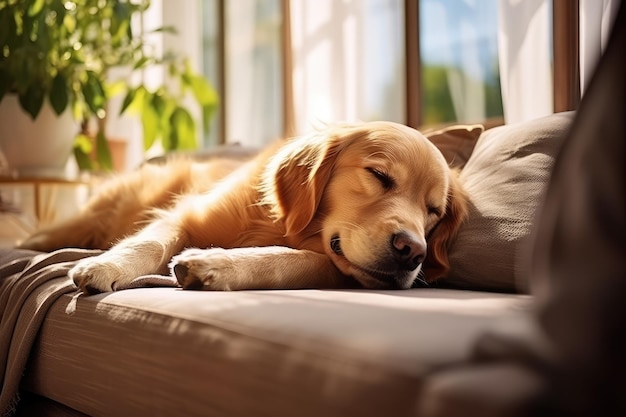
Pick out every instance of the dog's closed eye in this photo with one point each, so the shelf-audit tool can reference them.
(384, 178)
(434, 210)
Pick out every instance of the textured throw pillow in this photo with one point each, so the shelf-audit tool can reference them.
(505, 178)
(456, 143)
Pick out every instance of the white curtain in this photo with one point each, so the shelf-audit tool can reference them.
(348, 61)
(253, 72)
(525, 39)
(525, 55)
(596, 20)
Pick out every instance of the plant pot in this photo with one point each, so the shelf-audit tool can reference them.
(35, 148)
(119, 149)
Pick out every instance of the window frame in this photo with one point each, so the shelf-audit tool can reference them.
(565, 24)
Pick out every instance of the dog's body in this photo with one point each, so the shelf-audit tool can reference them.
(351, 206)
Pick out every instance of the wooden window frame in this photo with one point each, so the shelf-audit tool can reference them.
(221, 71)
(413, 104)
(565, 40)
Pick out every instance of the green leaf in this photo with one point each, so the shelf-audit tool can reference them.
(183, 133)
(128, 99)
(165, 29)
(164, 106)
(58, 94)
(8, 28)
(150, 124)
(60, 11)
(32, 100)
(112, 89)
(82, 152)
(204, 94)
(84, 143)
(94, 92)
(69, 22)
(141, 63)
(122, 11)
(203, 91)
(103, 152)
(159, 104)
(120, 21)
(35, 7)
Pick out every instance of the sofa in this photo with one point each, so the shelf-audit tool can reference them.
(528, 322)
(158, 350)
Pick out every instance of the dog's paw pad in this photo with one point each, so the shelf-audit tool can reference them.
(186, 279)
(196, 269)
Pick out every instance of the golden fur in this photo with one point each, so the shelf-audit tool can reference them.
(350, 206)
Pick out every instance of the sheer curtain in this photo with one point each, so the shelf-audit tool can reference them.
(525, 55)
(254, 105)
(347, 60)
(525, 46)
(596, 20)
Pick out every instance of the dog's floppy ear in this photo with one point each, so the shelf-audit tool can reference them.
(296, 176)
(436, 264)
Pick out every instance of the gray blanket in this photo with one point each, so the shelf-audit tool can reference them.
(30, 283)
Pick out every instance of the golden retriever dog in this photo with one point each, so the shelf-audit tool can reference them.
(369, 205)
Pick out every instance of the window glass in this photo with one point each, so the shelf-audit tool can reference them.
(459, 61)
(348, 61)
(252, 90)
(211, 62)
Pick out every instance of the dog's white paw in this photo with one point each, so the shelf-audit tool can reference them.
(205, 269)
(100, 274)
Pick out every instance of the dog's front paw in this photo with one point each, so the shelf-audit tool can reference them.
(204, 269)
(99, 274)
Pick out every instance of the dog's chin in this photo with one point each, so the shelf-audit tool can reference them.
(372, 277)
(377, 279)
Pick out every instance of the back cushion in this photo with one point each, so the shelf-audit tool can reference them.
(456, 143)
(505, 178)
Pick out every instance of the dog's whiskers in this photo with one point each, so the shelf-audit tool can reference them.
(421, 278)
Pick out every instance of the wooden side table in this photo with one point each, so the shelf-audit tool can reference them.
(28, 204)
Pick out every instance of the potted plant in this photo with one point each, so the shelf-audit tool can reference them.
(55, 59)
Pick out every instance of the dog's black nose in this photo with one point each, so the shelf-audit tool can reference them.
(408, 250)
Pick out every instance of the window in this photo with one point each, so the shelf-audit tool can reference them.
(243, 57)
(348, 61)
(282, 67)
(333, 61)
(280, 64)
(460, 78)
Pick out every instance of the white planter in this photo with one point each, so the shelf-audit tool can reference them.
(36, 148)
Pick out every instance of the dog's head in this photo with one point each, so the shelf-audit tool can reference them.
(380, 195)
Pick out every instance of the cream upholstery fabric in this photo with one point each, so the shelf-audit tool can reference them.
(505, 177)
(165, 351)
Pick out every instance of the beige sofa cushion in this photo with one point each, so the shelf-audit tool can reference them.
(166, 351)
(456, 142)
(505, 178)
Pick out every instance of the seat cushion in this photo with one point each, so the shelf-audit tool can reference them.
(166, 351)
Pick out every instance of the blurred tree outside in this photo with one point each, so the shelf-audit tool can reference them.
(437, 99)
